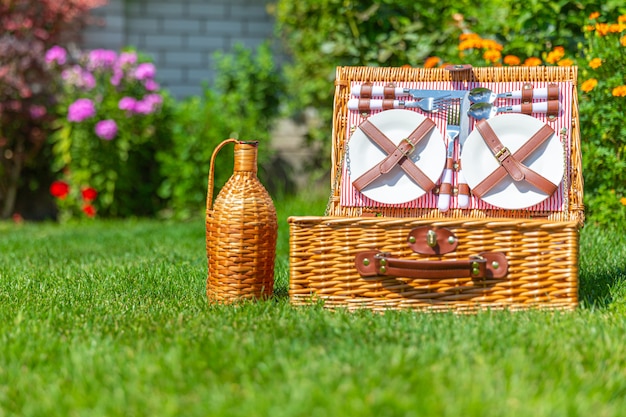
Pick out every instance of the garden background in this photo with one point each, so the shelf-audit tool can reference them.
(251, 77)
(103, 310)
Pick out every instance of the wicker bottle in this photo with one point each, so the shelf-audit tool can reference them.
(241, 230)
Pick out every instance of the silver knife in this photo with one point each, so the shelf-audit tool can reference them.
(380, 90)
(463, 200)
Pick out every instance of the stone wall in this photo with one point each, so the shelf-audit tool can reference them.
(181, 35)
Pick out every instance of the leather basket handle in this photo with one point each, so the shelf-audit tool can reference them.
(483, 266)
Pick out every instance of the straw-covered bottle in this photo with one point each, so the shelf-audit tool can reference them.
(241, 231)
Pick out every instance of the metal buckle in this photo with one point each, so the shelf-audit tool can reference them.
(504, 151)
(410, 151)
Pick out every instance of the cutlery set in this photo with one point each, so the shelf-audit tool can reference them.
(460, 106)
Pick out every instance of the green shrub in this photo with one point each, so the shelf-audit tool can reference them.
(602, 107)
(242, 104)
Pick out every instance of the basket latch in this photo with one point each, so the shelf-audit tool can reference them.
(427, 240)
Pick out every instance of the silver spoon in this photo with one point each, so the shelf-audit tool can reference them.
(482, 111)
(485, 95)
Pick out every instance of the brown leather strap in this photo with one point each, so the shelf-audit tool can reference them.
(396, 155)
(527, 94)
(364, 105)
(389, 91)
(366, 92)
(463, 188)
(553, 107)
(510, 163)
(374, 263)
(553, 91)
(527, 108)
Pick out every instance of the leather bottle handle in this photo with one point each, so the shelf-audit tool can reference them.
(487, 265)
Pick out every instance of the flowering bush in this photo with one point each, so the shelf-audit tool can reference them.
(29, 27)
(111, 119)
(602, 107)
(602, 104)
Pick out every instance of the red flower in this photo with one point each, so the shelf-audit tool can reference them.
(89, 210)
(59, 189)
(89, 194)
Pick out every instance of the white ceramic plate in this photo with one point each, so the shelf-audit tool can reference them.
(513, 130)
(396, 187)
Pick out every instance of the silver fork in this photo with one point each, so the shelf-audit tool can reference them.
(453, 128)
(427, 104)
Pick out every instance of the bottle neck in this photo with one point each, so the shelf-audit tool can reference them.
(246, 156)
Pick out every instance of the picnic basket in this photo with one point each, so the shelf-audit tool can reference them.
(390, 256)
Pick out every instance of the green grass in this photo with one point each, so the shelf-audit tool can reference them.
(110, 319)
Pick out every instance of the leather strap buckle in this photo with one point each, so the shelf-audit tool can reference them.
(409, 151)
(502, 154)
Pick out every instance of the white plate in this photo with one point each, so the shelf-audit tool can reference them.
(513, 130)
(396, 187)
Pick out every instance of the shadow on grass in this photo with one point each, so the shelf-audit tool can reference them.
(600, 289)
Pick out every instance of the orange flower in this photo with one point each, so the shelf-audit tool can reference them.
(590, 28)
(619, 91)
(511, 60)
(490, 44)
(492, 55)
(621, 19)
(431, 62)
(623, 201)
(595, 63)
(532, 62)
(466, 36)
(594, 15)
(622, 40)
(471, 43)
(602, 29)
(565, 63)
(589, 85)
(555, 55)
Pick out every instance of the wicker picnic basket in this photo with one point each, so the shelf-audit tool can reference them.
(384, 257)
(241, 231)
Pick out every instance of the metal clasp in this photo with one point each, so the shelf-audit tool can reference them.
(431, 238)
(408, 152)
(502, 154)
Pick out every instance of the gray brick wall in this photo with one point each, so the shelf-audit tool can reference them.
(181, 35)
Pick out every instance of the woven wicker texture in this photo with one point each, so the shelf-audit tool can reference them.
(542, 256)
(241, 231)
(346, 75)
(541, 247)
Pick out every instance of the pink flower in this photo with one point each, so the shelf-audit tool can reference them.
(37, 111)
(56, 54)
(106, 129)
(145, 71)
(151, 85)
(101, 58)
(79, 78)
(117, 76)
(143, 107)
(149, 104)
(81, 109)
(127, 58)
(127, 103)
